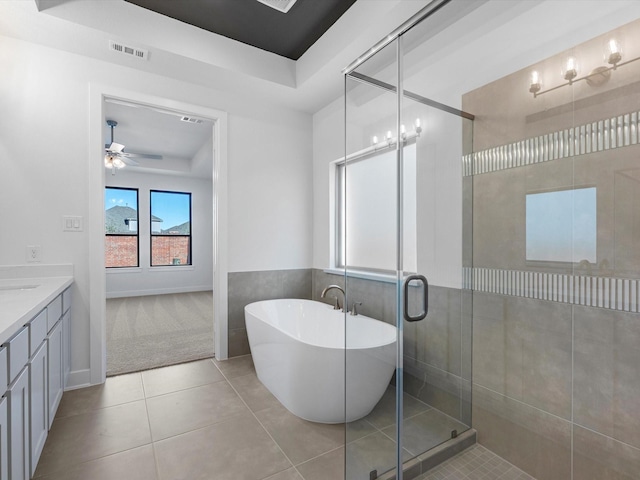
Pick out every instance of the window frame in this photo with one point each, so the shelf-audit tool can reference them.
(152, 235)
(137, 234)
(338, 168)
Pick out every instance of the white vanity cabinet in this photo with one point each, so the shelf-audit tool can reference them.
(34, 366)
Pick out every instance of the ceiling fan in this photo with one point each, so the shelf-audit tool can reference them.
(115, 156)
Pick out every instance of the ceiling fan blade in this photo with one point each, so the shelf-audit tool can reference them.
(115, 148)
(142, 155)
(129, 161)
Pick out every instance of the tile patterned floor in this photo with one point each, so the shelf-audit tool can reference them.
(475, 463)
(215, 420)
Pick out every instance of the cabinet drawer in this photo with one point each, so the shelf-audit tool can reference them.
(4, 371)
(18, 353)
(37, 331)
(66, 300)
(54, 312)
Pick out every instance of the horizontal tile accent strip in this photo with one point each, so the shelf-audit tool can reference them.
(607, 134)
(603, 292)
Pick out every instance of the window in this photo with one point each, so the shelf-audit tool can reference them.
(561, 226)
(368, 216)
(170, 228)
(121, 227)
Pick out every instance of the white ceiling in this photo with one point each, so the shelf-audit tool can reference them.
(151, 131)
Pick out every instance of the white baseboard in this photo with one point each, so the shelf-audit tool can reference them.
(159, 291)
(78, 379)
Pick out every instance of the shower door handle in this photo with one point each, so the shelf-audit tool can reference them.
(425, 298)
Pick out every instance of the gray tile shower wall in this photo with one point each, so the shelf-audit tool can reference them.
(556, 383)
(248, 287)
(437, 349)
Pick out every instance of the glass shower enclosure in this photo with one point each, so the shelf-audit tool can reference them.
(404, 242)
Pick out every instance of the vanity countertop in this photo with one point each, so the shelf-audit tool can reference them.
(26, 290)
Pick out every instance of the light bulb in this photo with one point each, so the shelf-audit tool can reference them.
(417, 123)
(375, 140)
(118, 163)
(613, 52)
(108, 161)
(403, 130)
(535, 85)
(389, 135)
(571, 70)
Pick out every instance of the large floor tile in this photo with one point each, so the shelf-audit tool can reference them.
(186, 410)
(135, 464)
(115, 391)
(299, 439)
(384, 413)
(92, 435)
(426, 430)
(178, 377)
(374, 452)
(236, 367)
(236, 449)
(330, 465)
(253, 392)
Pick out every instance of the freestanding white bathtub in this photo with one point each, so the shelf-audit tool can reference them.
(301, 356)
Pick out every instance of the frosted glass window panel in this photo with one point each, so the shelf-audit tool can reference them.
(561, 226)
(370, 211)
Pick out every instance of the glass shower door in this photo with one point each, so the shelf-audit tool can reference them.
(405, 243)
(367, 248)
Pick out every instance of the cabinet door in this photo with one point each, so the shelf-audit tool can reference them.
(38, 373)
(18, 396)
(4, 439)
(56, 373)
(66, 346)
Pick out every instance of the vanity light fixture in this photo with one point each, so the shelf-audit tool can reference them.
(598, 76)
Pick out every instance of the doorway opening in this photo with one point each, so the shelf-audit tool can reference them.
(179, 288)
(158, 237)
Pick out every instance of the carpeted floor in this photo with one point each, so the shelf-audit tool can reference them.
(158, 330)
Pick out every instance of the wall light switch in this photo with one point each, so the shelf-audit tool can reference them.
(71, 224)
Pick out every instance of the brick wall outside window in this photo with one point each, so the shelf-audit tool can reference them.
(168, 250)
(121, 251)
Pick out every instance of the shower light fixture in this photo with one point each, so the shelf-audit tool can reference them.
(598, 76)
(571, 70)
(613, 53)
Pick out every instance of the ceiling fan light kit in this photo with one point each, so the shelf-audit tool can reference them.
(115, 156)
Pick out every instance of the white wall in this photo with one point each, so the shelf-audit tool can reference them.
(45, 157)
(126, 282)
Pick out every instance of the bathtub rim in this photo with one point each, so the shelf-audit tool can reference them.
(344, 314)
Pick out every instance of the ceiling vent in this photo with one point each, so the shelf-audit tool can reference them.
(128, 50)
(190, 119)
(280, 5)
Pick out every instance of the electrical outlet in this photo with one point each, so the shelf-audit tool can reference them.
(33, 253)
